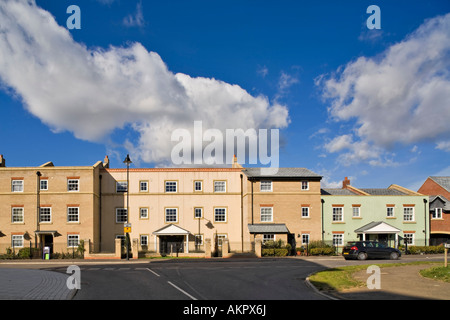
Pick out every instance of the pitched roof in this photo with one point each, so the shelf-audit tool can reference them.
(443, 199)
(268, 228)
(281, 173)
(377, 227)
(444, 182)
(171, 229)
(383, 192)
(337, 192)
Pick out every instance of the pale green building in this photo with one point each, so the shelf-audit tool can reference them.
(395, 215)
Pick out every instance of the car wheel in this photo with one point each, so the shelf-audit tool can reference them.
(394, 256)
(362, 256)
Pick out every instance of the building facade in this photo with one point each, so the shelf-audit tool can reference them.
(394, 215)
(48, 206)
(173, 210)
(438, 188)
(284, 206)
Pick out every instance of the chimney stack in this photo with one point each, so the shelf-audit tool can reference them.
(106, 162)
(2, 161)
(345, 183)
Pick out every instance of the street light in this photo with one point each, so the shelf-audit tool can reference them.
(127, 161)
(38, 205)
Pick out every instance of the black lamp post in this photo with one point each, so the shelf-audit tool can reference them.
(127, 161)
(38, 205)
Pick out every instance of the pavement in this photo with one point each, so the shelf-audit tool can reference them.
(27, 281)
(396, 283)
(26, 284)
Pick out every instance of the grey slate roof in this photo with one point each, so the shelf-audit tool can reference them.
(283, 173)
(444, 182)
(383, 192)
(337, 192)
(444, 200)
(268, 228)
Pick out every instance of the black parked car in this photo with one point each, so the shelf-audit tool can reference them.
(363, 250)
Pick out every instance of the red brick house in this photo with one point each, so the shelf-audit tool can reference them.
(438, 188)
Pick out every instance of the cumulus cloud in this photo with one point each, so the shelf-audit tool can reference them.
(93, 91)
(401, 96)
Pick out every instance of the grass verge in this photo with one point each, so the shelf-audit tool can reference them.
(440, 273)
(338, 279)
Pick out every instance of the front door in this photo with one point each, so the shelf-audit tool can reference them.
(171, 244)
(47, 241)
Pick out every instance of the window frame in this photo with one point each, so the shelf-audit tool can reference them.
(141, 184)
(121, 186)
(224, 214)
(17, 238)
(269, 215)
(166, 186)
(73, 214)
(437, 214)
(195, 212)
(306, 236)
(41, 214)
(307, 212)
(45, 181)
(71, 182)
(410, 216)
(195, 185)
(122, 215)
(409, 237)
(166, 212)
(358, 209)
(302, 187)
(145, 217)
(268, 183)
(393, 212)
(334, 215)
(75, 237)
(17, 183)
(142, 236)
(22, 214)
(224, 186)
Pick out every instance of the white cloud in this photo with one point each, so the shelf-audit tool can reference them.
(399, 97)
(93, 91)
(443, 145)
(136, 20)
(262, 71)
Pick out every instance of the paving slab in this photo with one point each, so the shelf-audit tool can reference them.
(26, 284)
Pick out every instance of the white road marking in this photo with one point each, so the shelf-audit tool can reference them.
(181, 290)
(153, 272)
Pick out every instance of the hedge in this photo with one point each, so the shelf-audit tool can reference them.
(277, 252)
(425, 249)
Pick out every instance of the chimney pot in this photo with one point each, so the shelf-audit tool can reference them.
(345, 183)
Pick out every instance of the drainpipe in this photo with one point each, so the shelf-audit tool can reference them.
(38, 204)
(323, 231)
(100, 214)
(242, 214)
(425, 215)
(252, 201)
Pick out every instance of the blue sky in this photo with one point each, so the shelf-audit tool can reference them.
(372, 105)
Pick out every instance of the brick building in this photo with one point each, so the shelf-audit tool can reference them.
(438, 188)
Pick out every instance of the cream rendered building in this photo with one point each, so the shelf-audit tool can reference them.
(173, 209)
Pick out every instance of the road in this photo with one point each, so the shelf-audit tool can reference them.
(265, 279)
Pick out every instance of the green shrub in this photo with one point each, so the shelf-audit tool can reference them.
(276, 252)
(425, 249)
(325, 251)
